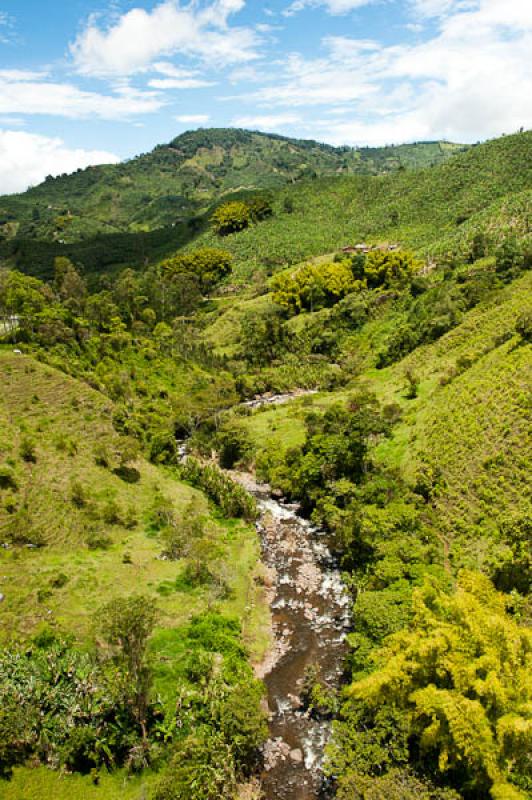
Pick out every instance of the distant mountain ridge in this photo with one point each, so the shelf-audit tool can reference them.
(181, 179)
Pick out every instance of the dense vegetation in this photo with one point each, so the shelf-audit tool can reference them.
(414, 454)
(178, 180)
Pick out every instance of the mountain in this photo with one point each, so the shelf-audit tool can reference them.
(400, 444)
(486, 190)
(183, 178)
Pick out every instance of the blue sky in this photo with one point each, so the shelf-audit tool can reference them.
(86, 81)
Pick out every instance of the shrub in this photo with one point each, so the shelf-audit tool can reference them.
(99, 541)
(204, 761)
(524, 326)
(59, 581)
(112, 513)
(231, 218)
(233, 444)
(28, 450)
(413, 382)
(509, 259)
(397, 784)
(7, 478)
(232, 498)
(208, 264)
(78, 494)
(102, 455)
(58, 706)
(260, 208)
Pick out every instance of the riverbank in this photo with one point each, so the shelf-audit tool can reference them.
(309, 619)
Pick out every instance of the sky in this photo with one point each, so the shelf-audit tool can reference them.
(92, 81)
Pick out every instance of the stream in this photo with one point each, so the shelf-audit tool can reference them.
(310, 617)
(310, 612)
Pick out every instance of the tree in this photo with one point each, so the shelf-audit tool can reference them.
(509, 258)
(69, 286)
(127, 624)
(314, 286)
(21, 299)
(260, 208)
(178, 534)
(262, 335)
(208, 264)
(128, 296)
(384, 268)
(233, 444)
(461, 677)
(479, 246)
(231, 217)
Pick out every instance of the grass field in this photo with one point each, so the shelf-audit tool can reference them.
(64, 581)
(41, 783)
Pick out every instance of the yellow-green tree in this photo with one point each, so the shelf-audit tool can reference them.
(208, 264)
(461, 675)
(231, 217)
(384, 268)
(314, 286)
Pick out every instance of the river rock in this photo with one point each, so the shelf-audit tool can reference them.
(296, 756)
(275, 750)
(295, 701)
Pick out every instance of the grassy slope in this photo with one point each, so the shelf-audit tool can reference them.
(43, 403)
(487, 187)
(187, 175)
(474, 429)
(40, 783)
(40, 401)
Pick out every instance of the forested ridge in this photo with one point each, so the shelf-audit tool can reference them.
(182, 179)
(394, 308)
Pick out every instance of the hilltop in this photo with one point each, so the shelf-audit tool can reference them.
(181, 179)
(442, 207)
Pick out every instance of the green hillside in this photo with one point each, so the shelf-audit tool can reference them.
(484, 189)
(436, 209)
(182, 179)
(404, 438)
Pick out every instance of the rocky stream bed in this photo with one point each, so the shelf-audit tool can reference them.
(310, 617)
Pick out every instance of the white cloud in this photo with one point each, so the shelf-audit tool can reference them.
(27, 158)
(22, 75)
(176, 78)
(268, 122)
(469, 80)
(13, 122)
(139, 37)
(179, 83)
(315, 82)
(439, 8)
(6, 27)
(193, 119)
(335, 7)
(27, 93)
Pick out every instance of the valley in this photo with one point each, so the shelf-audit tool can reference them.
(265, 475)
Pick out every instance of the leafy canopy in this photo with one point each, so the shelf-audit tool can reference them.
(208, 264)
(461, 675)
